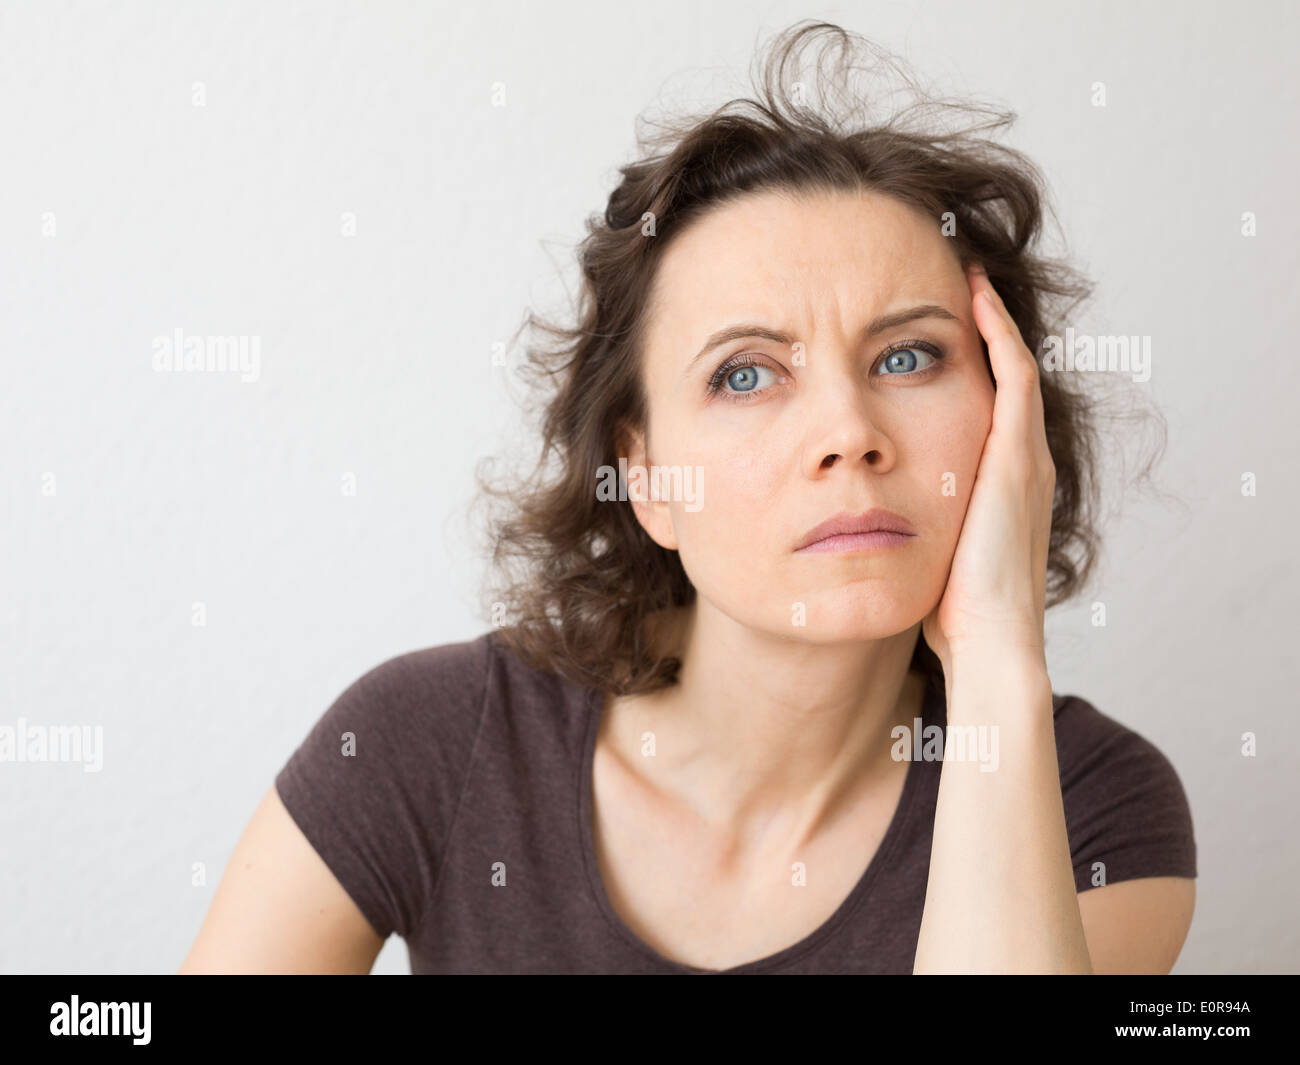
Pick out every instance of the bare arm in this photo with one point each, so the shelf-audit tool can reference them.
(1001, 895)
(1138, 926)
(279, 909)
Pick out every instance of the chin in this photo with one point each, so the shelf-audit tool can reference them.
(858, 613)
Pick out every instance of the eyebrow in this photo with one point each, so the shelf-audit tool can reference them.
(746, 330)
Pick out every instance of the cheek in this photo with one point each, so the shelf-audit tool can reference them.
(949, 456)
(726, 544)
(744, 478)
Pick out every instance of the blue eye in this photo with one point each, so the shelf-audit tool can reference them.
(742, 378)
(905, 360)
(746, 378)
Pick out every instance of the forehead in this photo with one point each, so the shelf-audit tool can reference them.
(785, 258)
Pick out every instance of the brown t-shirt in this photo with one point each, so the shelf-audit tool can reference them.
(458, 815)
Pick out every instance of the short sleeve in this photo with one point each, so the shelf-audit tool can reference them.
(375, 783)
(1126, 812)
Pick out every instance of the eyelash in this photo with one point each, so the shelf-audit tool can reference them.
(739, 362)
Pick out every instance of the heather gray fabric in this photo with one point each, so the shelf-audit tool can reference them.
(470, 767)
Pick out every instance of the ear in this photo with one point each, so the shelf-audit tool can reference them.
(653, 514)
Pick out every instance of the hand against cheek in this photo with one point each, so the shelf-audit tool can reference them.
(996, 590)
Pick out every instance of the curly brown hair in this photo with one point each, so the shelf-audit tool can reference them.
(582, 579)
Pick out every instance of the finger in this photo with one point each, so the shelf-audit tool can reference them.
(979, 282)
(1022, 367)
(1008, 356)
(1013, 372)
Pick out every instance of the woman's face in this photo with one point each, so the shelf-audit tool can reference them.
(819, 423)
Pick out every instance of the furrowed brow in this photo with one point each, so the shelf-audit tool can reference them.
(748, 330)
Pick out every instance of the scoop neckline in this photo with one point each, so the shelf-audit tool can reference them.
(595, 706)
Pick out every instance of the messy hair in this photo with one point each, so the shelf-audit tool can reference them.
(582, 578)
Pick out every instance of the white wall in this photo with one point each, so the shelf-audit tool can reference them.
(376, 359)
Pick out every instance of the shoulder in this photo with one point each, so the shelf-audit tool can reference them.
(1126, 810)
(414, 709)
(454, 670)
(375, 783)
(1092, 744)
(485, 666)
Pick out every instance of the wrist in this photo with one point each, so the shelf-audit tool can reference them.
(987, 679)
(1007, 642)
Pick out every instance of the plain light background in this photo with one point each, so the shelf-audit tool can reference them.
(377, 362)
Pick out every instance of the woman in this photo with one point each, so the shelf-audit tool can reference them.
(812, 492)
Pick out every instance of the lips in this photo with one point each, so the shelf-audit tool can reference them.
(875, 520)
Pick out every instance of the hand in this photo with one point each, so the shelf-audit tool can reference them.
(996, 591)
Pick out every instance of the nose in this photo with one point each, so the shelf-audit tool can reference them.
(845, 431)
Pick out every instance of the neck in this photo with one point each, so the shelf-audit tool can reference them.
(766, 735)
